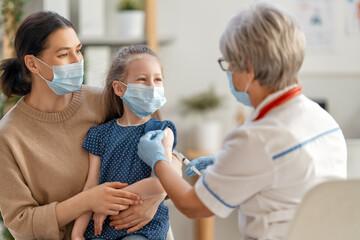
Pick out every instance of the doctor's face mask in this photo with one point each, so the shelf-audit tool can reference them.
(242, 97)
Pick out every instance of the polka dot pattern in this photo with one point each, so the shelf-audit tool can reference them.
(117, 147)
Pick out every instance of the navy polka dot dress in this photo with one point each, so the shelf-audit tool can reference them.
(117, 147)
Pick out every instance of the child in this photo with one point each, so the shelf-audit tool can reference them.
(134, 90)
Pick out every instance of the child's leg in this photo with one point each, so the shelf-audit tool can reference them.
(134, 237)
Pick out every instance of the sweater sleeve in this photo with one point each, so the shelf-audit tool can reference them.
(23, 215)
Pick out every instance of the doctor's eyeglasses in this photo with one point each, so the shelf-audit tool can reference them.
(224, 64)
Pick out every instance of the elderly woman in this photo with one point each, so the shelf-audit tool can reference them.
(288, 144)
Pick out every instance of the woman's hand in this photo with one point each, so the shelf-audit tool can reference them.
(137, 216)
(109, 199)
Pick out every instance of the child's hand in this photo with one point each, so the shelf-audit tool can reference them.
(77, 237)
(109, 199)
(98, 223)
(137, 216)
(76, 233)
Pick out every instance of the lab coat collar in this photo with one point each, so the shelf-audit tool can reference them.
(268, 99)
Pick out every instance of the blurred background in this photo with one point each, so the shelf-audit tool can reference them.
(185, 34)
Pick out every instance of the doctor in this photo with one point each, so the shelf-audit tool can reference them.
(288, 144)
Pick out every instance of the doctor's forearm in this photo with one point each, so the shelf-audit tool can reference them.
(180, 192)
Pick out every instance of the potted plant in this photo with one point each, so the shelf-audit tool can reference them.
(207, 130)
(130, 18)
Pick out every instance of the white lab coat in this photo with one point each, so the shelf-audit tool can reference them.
(266, 166)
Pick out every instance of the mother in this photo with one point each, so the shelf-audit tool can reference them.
(43, 166)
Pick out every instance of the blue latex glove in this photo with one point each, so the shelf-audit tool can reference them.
(200, 164)
(151, 149)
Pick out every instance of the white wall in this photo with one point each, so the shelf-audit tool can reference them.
(190, 62)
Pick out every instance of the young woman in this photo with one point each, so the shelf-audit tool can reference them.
(43, 166)
(134, 90)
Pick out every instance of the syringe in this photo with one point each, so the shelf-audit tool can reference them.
(186, 162)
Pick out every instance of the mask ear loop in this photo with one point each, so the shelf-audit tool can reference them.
(43, 77)
(42, 62)
(45, 65)
(124, 85)
(247, 87)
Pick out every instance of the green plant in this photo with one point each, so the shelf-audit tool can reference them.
(6, 103)
(12, 12)
(130, 5)
(202, 102)
(2, 108)
(5, 233)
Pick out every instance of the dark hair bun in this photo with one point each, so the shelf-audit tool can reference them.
(12, 80)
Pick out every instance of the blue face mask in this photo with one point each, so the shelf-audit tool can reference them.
(143, 100)
(67, 78)
(241, 97)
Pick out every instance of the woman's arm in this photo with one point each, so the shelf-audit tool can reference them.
(108, 198)
(91, 181)
(26, 218)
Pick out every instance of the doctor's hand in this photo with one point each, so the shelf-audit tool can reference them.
(200, 164)
(151, 149)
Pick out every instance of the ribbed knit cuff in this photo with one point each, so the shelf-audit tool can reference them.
(45, 224)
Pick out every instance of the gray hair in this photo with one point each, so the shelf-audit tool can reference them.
(266, 38)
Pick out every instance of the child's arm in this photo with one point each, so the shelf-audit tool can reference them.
(149, 187)
(91, 181)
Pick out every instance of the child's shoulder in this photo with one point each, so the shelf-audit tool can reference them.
(156, 124)
(104, 127)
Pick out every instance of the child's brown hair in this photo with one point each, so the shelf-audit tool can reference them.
(113, 104)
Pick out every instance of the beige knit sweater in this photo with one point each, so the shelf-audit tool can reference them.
(42, 162)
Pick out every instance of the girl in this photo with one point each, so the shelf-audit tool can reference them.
(134, 90)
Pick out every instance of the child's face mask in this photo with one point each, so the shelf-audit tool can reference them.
(143, 100)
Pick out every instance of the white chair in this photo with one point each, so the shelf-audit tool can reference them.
(329, 211)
